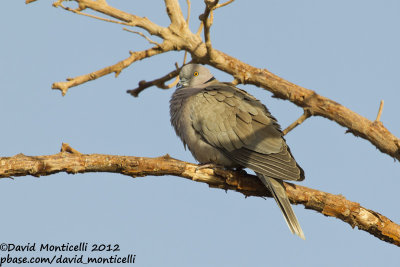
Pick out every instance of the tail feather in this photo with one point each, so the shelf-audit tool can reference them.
(278, 192)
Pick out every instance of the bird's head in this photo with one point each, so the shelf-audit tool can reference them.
(194, 74)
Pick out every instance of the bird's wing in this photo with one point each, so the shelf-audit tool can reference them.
(243, 129)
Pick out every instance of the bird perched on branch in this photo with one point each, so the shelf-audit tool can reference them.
(224, 125)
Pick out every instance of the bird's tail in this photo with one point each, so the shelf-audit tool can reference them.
(278, 192)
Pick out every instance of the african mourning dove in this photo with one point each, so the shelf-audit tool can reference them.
(224, 125)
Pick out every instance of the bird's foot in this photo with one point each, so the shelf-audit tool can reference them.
(241, 170)
(209, 165)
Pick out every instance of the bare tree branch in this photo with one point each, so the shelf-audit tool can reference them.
(188, 11)
(207, 19)
(175, 14)
(378, 117)
(224, 4)
(144, 36)
(200, 28)
(77, 11)
(318, 105)
(116, 68)
(177, 36)
(299, 121)
(132, 20)
(160, 83)
(67, 148)
(74, 162)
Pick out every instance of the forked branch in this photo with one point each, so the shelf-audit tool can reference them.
(207, 19)
(116, 68)
(160, 83)
(177, 36)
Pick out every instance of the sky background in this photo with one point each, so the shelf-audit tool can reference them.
(347, 51)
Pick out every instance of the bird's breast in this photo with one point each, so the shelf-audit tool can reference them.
(180, 110)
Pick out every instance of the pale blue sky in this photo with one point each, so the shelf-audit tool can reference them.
(345, 50)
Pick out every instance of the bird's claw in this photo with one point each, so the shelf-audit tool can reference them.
(208, 165)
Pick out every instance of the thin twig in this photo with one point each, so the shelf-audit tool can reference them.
(178, 69)
(101, 6)
(215, 7)
(200, 28)
(143, 35)
(67, 148)
(160, 83)
(184, 58)
(187, 22)
(188, 12)
(297, 122)
(223, 4)
(93, 16)
(207, 19)
(174, 83)
(378, 117)
(116, 68)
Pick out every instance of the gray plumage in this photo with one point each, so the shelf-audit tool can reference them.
(227, 126)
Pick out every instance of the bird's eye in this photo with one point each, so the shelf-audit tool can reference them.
(195, 73)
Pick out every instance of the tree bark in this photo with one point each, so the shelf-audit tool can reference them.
(72, 162)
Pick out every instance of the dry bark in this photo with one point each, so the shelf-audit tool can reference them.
(71, 161)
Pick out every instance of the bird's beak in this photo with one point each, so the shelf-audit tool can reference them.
(182, 83)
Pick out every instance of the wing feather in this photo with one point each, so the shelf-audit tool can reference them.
(235, 122)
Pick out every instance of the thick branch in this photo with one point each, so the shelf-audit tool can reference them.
(74, 162)
(318, 105)
(182, 38)
(175, 14)
(133, 20)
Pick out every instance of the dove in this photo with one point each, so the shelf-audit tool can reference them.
(223, 125)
